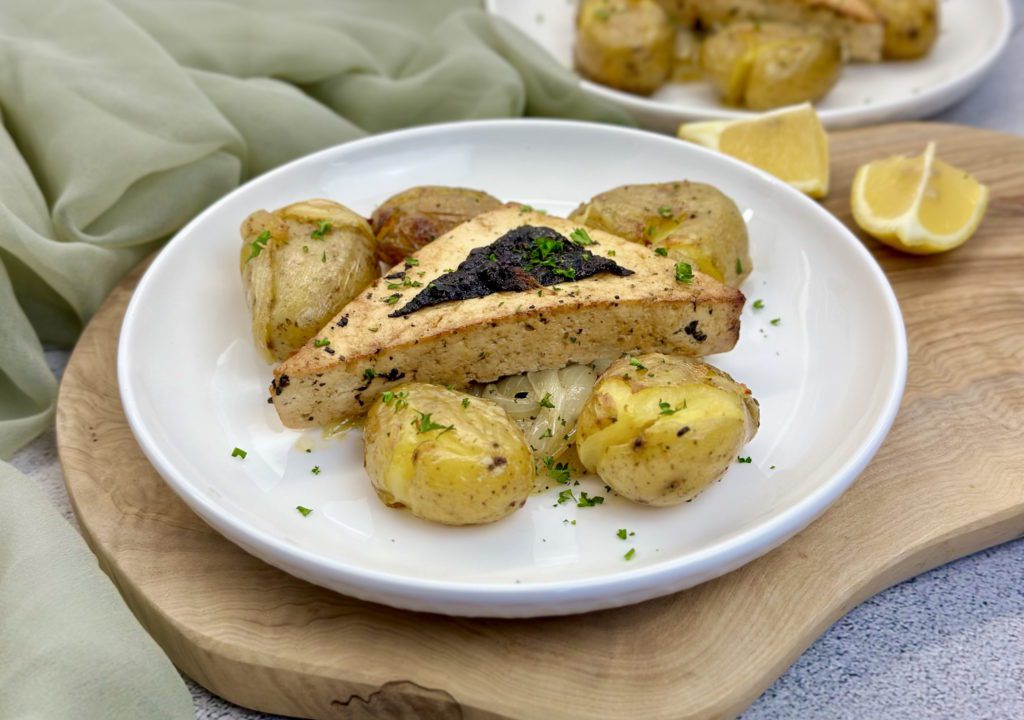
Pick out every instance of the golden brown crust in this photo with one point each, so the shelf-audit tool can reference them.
(481, 339)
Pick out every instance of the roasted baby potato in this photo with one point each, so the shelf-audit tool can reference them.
(693, 222)
(449, 457)
(409, 220)
(625, 44)
(659, 429)
(300, 265)
(768, 65)
(911, 27)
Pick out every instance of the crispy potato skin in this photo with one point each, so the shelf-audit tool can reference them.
(911, 27)
(769, 65)
(660, 429)
(409, 220)
(625, 44)
(694, 222)
(479, 471)
(298, 281)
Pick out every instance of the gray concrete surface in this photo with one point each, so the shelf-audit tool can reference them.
(947, 644)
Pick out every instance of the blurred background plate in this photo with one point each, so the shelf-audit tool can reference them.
(972, 35)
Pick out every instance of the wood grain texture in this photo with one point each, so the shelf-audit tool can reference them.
(947, 482)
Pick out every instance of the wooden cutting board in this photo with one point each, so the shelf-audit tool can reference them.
(947, 482)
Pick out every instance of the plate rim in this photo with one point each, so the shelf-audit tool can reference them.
(524, 599)
(935, 99)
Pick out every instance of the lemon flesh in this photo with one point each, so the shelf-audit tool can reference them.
(919, 204)
(790, 143)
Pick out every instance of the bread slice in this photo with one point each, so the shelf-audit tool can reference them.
(854, 22)
(365, 350)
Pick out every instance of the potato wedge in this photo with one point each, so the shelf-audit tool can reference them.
(659, 429)
(300, 265)
(449, 457)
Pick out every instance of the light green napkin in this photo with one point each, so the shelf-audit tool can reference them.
(121, 120)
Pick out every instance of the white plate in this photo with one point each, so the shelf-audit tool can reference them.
(829, 377)
(972, 35)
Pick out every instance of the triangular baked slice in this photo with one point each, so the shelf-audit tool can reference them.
(371, 346)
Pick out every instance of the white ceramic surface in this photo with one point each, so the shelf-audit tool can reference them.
(829, 377)
(972, 35)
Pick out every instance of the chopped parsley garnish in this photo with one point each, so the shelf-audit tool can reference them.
(493, 257)
(621, 533)
(772, 467)
(776, 321)
(547, 433)
(611, 253)
(542, 255)
(400, 398)
(239, 453)
(684, 273)
(744, 460)
(315, 470)
(393, 298)
(323, 257)
(559, 472)
(665, 211)
(566, 496)
(257, 245)
(637, 364)
(411, 262)
(321, 342)
(425, 424)
(629, 555)
(546, 401)
(465, 403)
(667, 409)
(523, 209)
(581, 237)
(304, 511)
(322, 228)
(369, 374)
(587, 501)
(759, 304)
(739, 267)
(305, 248)
(661, 251)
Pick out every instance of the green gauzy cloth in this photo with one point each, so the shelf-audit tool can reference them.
(122, 119)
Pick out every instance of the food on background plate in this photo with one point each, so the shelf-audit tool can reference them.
(449, 457)
(686, 62)
(790, 143)
(300, 265)
(659, 429)
(625, 44)
(407, 221)
(918, 204)
(856, 25)
(688, 221)
(760, 54)
(768, 65)
(509, 291)
(911, 27)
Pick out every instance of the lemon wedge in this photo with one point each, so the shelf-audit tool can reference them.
(790, 143)
(917, 204)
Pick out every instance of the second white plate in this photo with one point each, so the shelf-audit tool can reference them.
(829, 375)
(972, 35)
